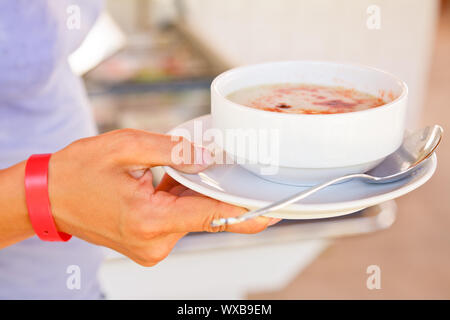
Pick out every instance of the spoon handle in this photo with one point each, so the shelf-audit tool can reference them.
(284, 202)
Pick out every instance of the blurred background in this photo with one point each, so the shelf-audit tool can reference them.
(148, 64)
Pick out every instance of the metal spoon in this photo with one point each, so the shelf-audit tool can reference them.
(409, 157)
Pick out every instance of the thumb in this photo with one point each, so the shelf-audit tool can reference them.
(152, 149)
(187, 157)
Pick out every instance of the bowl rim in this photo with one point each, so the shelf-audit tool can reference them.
(389, 105)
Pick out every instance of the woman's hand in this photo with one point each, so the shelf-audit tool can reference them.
(101, 191)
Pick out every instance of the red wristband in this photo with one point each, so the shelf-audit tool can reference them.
(38, 202)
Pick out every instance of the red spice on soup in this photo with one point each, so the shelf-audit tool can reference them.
(305, 98)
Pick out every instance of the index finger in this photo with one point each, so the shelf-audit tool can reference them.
(196, 213)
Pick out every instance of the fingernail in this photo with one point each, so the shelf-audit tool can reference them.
(139, 173)
(274, 221)
(207, 158)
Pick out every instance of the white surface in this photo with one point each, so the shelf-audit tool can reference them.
(254, 31)
(104, 39)
(229, 266)
(233, 184)
(343, 141)
(220, 274)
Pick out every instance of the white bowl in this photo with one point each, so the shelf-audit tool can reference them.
(304, 149)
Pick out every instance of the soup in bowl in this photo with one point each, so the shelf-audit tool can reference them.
(303, 122)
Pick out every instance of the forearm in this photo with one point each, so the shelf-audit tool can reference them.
(15, 224)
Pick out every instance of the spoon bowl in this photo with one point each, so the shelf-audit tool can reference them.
(415, 149)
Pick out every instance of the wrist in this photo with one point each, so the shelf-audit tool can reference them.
(38, 200)
(59, 195)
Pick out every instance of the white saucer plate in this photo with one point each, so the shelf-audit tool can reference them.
(234, 184)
